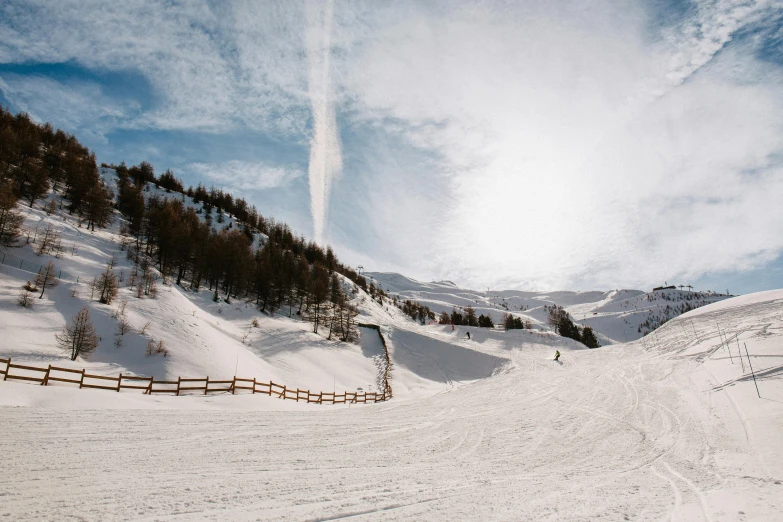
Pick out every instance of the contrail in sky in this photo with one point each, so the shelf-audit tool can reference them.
(325, 150)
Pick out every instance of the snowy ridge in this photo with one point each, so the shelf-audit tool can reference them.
(617, 316)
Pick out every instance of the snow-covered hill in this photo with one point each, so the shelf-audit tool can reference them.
(617, 316)
(201, 337)
(665, 427)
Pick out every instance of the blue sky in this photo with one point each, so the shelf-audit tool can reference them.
(577, 145)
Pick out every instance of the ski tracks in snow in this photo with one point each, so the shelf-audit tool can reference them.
(612, 433)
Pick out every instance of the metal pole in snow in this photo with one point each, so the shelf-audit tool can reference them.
(721, 341)
(751, 371)
(740, 354)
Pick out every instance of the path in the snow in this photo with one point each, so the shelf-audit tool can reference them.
(619, 433)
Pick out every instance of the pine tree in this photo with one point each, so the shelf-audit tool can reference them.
(485, 321)
(319, 292)
(107, 286)
(470, 316)
(79, 338)
(98, 205)
(303, 282)
(10, 220)
(553, 316)
(47, 277)
(567, 328)
(512, 323)
(36, 183)
(589, 339)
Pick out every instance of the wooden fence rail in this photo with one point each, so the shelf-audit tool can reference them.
(44, 376)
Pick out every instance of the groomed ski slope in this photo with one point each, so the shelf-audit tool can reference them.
(664, 428)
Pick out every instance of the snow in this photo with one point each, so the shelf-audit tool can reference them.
(616, 316)
(666, 427)
(203, 338)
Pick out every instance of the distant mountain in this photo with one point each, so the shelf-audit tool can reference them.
(616, 316)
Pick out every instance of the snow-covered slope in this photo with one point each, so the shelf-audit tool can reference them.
(663, 428)
(617, 316)
(202, 337)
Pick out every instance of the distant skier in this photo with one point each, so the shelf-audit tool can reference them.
(557, 355)
(468, 336)
(452, 327)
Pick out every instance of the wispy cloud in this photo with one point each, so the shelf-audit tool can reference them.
(244, 176)
(581, 145)
(214, 65)
(571, 144)
(77, 104)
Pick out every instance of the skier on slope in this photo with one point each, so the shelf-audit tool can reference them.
(557, 355)
(468, 336)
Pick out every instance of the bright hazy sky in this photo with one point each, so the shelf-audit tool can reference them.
(569, 145)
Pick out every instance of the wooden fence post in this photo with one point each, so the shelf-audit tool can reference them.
(206, 386)
(254, 385)
(81, 381)
(7, 368)
(46, 377)
(234, 386)
(179, 380)
(119, 382)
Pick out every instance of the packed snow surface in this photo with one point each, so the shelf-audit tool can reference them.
(667, 428)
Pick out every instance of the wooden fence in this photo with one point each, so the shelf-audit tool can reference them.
(149, 385)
